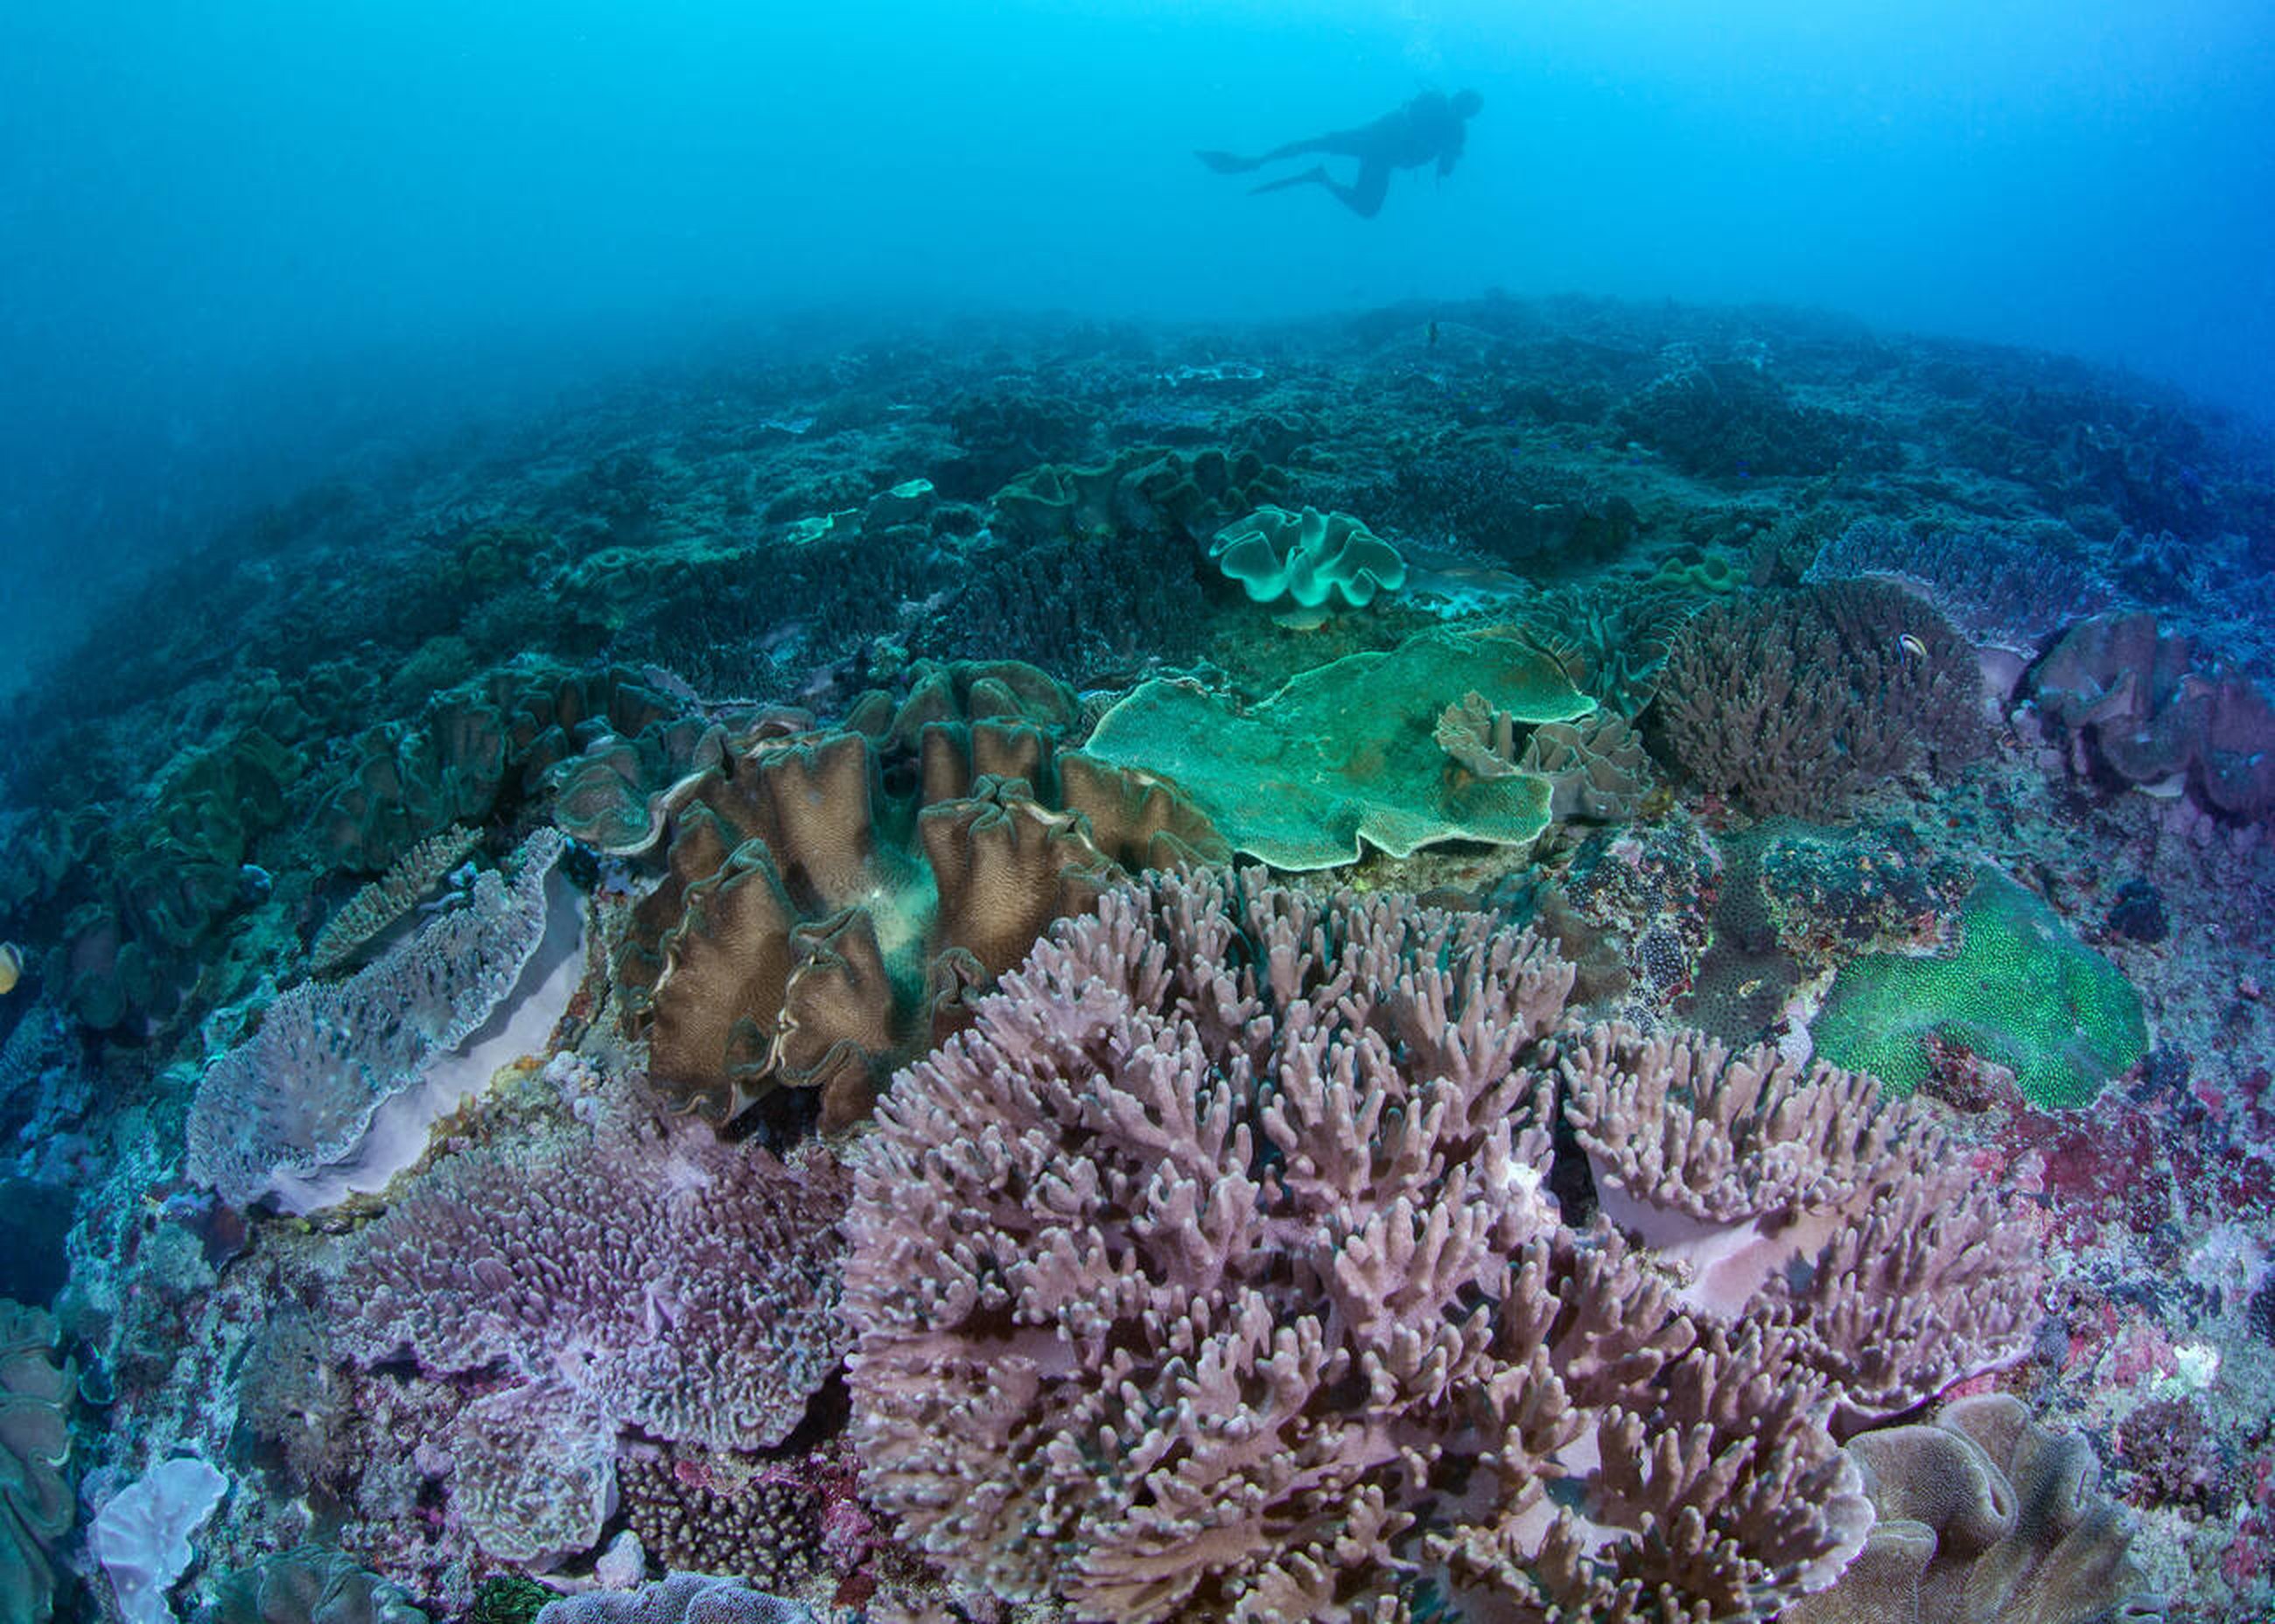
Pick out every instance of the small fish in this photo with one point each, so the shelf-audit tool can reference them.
(11, 966)
(1911, 644)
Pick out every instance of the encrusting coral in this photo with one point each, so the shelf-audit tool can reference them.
(1214, 1273)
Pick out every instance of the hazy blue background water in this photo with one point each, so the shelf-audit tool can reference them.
(240, 239)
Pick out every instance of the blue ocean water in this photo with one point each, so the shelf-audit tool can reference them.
(245, 240)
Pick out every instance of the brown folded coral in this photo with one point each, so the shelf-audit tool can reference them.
(1984, 1517)
(831, 901)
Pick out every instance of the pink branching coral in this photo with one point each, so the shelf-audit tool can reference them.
(632, 1277)
(1215, 1273)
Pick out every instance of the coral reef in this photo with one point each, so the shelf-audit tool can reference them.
(1214, 1273)
(1800, 702)
(1728, 419)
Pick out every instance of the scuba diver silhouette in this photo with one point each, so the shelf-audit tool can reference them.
(1428, 129)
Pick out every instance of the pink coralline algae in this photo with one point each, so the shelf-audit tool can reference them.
(1216, 1273)
(626, 1277)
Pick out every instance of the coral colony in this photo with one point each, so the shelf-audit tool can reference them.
(1552, 963)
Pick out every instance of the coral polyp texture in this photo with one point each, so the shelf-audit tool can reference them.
(1215, 1273)
(2019, 992)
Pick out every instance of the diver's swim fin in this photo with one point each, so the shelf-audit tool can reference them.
(1228, 163)
(1316, 176)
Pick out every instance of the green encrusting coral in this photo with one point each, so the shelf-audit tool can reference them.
(2021, 991)
(1346, 755)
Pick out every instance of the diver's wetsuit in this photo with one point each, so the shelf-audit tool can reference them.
(1428, 129)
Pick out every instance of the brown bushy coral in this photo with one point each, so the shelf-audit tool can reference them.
(1799, 701)
(832, 901)
(1213, 1273)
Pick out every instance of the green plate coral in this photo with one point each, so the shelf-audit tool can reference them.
(1346, 755)
(2022, 990)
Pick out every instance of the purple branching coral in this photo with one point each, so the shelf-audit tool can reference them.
(1215, 1273)
(631, 1276)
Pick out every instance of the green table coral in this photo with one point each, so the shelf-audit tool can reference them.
(1345, 756)
(2021, 991)
(1310, 556)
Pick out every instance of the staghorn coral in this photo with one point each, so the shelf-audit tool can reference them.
(36, 1503)
(1984, 1517)
(1798, 702)
(336, 1091)
(832, 901)
(622, 1276)
(1213, 1273)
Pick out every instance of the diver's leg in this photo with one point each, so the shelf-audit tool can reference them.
(1316, 176)
(1364, 196)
